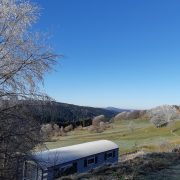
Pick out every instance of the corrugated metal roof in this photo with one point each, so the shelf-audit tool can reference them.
(62, 155)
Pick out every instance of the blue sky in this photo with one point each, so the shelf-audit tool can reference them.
(121, 53)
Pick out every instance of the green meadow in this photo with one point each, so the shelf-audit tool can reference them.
(143, 136)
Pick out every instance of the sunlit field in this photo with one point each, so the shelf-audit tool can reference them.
(143, 136)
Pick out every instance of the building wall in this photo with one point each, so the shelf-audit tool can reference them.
(81, 165)
(100, 162)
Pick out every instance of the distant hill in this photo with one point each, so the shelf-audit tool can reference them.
(159, 116)
(118, 110)
(63, 113)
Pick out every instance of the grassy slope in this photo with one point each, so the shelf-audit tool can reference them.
(145, 136)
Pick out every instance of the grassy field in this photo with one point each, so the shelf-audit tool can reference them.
(144, 136)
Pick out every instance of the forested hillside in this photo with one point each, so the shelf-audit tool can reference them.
(62, 113)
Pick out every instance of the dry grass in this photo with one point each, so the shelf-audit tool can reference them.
(152, 166)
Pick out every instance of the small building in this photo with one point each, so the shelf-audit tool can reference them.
(54, 163)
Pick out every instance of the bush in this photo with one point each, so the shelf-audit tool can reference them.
(47, 130)
(68, 128)
(96, 120)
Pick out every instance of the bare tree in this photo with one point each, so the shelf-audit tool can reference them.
(162, 115)
(24, 59)
(96, 120)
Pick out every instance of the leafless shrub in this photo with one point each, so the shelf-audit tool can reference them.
(92, 128)
(162, 115)
(56, 127)
(99, 125)
(68, 128)
(47, 131)
(79, 128)
(96, 120)
(130, 115)
(120, 116)
(102, 126)
(86, 128)
(62, 129)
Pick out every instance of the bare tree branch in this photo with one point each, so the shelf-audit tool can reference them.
(25, 57)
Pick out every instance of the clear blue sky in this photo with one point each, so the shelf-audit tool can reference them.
(122, 53)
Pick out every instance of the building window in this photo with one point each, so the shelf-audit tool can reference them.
(109, 155)
(85, 163)
(65, 170)
(96, 159)
(90, 161)
(114, 153)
